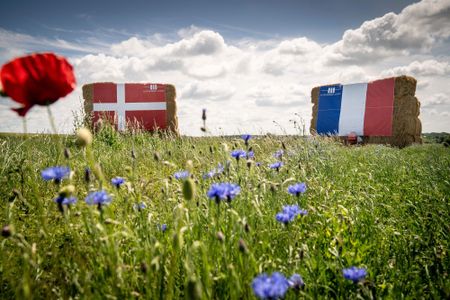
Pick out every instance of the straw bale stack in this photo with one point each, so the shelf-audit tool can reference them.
(406, 125)
(170, 118)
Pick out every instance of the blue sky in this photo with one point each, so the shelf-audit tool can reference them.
(252, 64)
(321, 20)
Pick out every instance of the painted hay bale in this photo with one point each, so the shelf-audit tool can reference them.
(147, 106)
(383, 111)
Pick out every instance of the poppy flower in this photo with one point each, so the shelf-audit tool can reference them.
(37, 79)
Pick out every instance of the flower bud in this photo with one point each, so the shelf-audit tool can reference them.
(144, 267)
(249, 163)
(194, 289)
(204, 114)
(188, 189)
(220, 236)
(7, 231)
(156, 156)
(67, 153)
(243, 246)
(87, 175)
(189, 166)
(225, 147)
(84, 137)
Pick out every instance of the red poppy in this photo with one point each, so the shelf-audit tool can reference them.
(37, 79)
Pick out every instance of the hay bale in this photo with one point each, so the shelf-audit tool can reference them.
(406, 126)
(167, 121)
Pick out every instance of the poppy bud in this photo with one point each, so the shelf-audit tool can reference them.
(156, 156)
(144, 267)
(7, 231)
(194, 289)
(133, 154)
(243, 246)
(220, 236)
(188, 189)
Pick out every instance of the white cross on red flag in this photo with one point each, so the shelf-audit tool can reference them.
(143, 104)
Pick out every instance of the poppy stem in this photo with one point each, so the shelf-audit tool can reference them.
(52, 120)
(24, 122)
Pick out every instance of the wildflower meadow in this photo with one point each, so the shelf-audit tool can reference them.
(136, 215)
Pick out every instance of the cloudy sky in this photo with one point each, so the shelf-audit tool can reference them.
(251, 64)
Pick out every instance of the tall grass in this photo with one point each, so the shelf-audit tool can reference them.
(376, 207)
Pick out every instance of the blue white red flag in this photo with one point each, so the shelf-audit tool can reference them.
(364, 108)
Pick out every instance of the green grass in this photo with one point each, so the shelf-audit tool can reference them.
(376, 207)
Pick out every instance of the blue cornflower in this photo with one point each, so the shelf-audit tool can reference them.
(276, 165)
(55, 173)
(214, 172)
(181, 175)
(258, 164)
(140, 206)
(223, 191)
(117, 181)
(163, 227)
(289, 213)
(278, 154)
(296, 281)
(98, 197)
(246, 138)
(354, 274)
(250, 154)
(61, 200)
(297, 189)
(238, 154)
(270, 287)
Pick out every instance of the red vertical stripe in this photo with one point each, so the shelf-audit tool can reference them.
(145, 92)
(379, 108)
(105, 93)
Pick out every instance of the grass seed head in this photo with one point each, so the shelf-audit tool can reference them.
(84, 137)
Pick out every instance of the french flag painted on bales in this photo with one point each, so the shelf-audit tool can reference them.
(363, 108)
(127, 103)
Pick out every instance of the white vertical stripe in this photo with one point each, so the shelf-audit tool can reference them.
(353, 108)
(121, 106)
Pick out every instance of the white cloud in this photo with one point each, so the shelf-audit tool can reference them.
(417, 28)
(428, 67)
(435, 100)
(205, 42)
(207, 91)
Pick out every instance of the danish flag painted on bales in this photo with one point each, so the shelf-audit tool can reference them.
(150, 106)
(364, 108)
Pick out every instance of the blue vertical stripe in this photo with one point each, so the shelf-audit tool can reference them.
(329, 109)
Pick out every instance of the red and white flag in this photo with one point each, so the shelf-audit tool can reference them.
(143, 104)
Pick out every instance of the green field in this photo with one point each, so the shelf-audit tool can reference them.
(376, 207)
